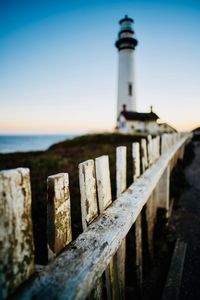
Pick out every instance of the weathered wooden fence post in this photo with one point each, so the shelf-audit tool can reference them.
(144, 155)
(156, 152)
(16, 238)
(89, 207)
(150, 205)
(157, 147)
(59, 233)
(104, 200)
(121, 169)
(87, 180)
(164, 143)
(163, 191)
(138, 222)
(150, 150)
(103, 182)
(121, 174)
(136, 160)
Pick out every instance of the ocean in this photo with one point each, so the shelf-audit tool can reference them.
(24, 143)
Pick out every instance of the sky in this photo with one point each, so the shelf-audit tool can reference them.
(58, 63)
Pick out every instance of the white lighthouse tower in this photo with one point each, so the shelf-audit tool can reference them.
(126, 44)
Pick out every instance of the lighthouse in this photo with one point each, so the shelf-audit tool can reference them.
(126, 44)
(129, 120)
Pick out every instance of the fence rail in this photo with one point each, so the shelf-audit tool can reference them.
(77, 271)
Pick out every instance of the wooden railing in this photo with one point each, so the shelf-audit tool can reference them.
(77, 271)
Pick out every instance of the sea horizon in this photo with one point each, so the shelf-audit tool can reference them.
(25, 142)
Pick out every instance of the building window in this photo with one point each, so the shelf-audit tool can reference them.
(130, 89)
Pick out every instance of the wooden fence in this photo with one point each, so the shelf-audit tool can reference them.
(75, 268)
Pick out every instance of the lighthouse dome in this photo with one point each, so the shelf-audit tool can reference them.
(126, 24)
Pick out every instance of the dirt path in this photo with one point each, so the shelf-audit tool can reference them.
(185, 223)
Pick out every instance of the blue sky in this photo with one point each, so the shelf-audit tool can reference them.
(58, 63)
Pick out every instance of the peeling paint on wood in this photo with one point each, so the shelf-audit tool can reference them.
(89, 208)
(121, 169)
(59, 232)
(136, 160)
(87, 180)
(103, 182)
(16, 238)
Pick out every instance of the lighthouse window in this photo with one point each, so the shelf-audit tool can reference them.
(130, 89)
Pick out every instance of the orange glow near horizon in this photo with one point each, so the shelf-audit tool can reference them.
(58, 128)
